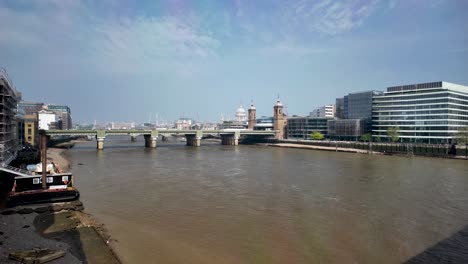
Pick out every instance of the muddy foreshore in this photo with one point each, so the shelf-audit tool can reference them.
(62, 227)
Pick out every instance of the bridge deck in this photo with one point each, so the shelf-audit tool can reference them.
(152, 132)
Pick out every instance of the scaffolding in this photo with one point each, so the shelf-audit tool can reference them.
(8, 125)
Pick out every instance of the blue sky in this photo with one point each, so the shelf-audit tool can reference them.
(126, 60)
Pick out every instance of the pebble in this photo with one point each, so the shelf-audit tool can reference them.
(25, 211)
(8, 212)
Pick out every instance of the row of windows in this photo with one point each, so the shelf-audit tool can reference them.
(420, 128)
(419, 134)
(415, 107)
(420, 123)
(384, 99)
(446, 117)
(421, 112)
(425, 101)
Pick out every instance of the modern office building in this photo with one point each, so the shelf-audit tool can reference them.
(324, 111)
(30, 108)
(339, 108)
(303, 127)
(355, 112)
(426, 112)
(347, 129)
(264, 123)
(9, 98)
(359, 105)
(63, 113)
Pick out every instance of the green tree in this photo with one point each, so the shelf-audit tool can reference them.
(317, 135)
(366, 137)
(393, 133)
(462, 136)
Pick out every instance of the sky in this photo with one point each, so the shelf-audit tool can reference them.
(137, 60)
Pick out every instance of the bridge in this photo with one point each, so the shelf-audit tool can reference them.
(193, 137)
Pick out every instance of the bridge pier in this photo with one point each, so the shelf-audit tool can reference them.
(100, 143)
(193, 140)
(150, 141)
(133, 138)
(230, 140)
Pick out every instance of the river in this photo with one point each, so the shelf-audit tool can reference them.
(257, 204)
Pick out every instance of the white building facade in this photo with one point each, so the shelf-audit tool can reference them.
(324, 111)
(47, 120)
(424, 113)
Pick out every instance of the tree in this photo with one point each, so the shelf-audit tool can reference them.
(316, 135)
(462, 135)
(366, 137)
(462, 138)
(393, 133)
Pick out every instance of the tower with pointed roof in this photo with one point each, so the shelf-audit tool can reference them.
(252, 116)
(279, 120)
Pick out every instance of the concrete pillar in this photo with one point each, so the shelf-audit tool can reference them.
(193, 140)
(133, 138)
(150, 141)
(43, 145)
(100, 143)
(230, 140)
(100, 136)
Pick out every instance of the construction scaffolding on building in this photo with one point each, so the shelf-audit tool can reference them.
(9, 98)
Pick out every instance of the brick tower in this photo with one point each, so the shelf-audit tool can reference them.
(252, 116)
(279, 122)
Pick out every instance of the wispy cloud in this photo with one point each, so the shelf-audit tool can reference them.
(329, 17)
(110, 44)
(148, 40)
(293, 49)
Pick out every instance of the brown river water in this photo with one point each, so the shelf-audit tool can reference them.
(257, 204)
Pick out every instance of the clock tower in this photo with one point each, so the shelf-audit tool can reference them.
(252, 116)
(279, 121)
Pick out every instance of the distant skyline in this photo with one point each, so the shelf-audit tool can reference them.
(124, 61)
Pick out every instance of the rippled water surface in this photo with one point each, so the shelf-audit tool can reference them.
(255, 204)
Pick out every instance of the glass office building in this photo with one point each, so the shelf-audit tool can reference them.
(303, 127)
(347, 129)
(427, 112)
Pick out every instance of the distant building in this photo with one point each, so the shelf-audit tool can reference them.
(303, 127)
(47, 120)
(339, 108)
(355, 106)
(184, 123)
(264, 123)
(20, 120)
(9, 98)
(30, 108)
(63, 113)
(232, 124)
(324, 111)
(241, 116)
(425, 112)
(31, 127)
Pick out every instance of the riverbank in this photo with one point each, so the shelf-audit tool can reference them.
(64, 228)
(391, 149)
(336, 149)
